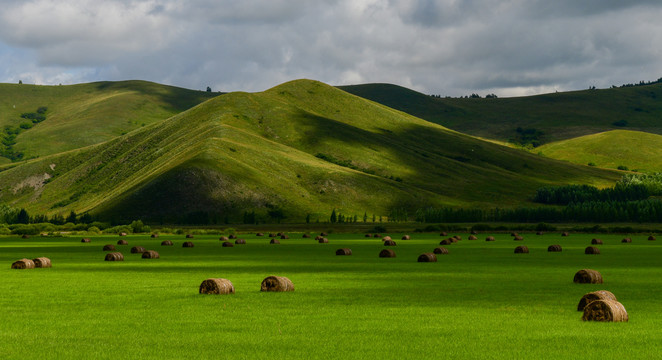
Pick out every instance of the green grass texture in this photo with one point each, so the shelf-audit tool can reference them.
(481, 301)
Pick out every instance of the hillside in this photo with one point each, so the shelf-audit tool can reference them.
(300, 148)
(633, 149)
(557, 116)
(81, 115)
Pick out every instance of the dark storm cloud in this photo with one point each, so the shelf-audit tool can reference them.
(447, 47)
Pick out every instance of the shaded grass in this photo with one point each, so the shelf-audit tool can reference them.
(480, 301)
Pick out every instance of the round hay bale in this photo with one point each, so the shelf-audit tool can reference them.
(587, 276)
(150, 254)
(406, 237)
(386, 238)
(514, 234)
(318, 238)
(154, 235)
(344, 251)
(323, 241)
(443, 233)
(283, 237)
(440, 250)
(114, 256)
(42, 262)
(626, 240)
(188, 244)
(189, 236)
(522, 249)
(272, 235)
(122, 234)
(306, 236)
(137, 250)
(518, 238)
(446, 242)
(122, 242)
(472, 237)
(85, 240)
(593, 296)
(25, 236)
(259, 234)
(387, 253)
(274, 241)
(474, 232)
(565, 233)
(109, 247)
(490, 238)
(166, 243)
(232, 237)
(376, 235)
(280, 234)
(223, 238)
(217, 287)
(596, 242)
(23, 264)
(227, 244)
(323, 234)
(368, 235)
(453, 240)
(539, 232)
(427, 257)
(389, 243)
(240, 242)
(457, 237)
(605, 310)
(651, 238)
(276, 283)
(592, 250)
(554, 248)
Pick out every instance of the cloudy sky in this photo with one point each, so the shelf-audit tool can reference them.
(446, 47)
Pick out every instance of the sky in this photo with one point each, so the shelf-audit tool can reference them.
(441, 47)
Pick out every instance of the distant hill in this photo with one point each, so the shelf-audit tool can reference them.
(87, 114)
(633, 150)
(540, 119)
(301, 148)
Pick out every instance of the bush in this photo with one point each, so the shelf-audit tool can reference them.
(622, 167)
(93, 230)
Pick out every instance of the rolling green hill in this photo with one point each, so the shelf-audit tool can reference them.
(558, 116)
(87, 114)
(633, 149)
(299, 148)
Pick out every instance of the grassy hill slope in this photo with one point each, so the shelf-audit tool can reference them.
(559, 116)
(87, 114)
(634, 149)
(300, 148)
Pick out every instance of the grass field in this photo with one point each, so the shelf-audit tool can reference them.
(481, 301)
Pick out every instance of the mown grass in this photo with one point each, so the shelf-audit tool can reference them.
(480, 301)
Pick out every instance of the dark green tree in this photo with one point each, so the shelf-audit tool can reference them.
(23, 217)
(72, 217)
(334, 217)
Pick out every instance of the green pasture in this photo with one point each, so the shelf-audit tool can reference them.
(481, 301)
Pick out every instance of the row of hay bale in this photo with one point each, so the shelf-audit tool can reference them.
(220, 286)
(599, 305)
(145, 254)
(40, 262)
(523, 249)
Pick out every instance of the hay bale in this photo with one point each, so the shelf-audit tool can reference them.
(122, 242)
(565, 233)
(137, 250)
(109, 247)
(42, 262)
(592, 250)
(387, 253)
(85, 240)
(386, 238)
(376, 235)
(166, 243)
(150, 254)
(539, 232)
(187, 244)
(344, 251)
(518, 238)
(223, 238)
(272, 235)
(406, 237)
(114, 256)
(490, 238)
(23, 264)
(240, 242)
(554, 248)
(318, 238)
(389, 243)
(323, 234)
(283, 237)
(443, 233)
(122, 234)
(522, 249)
(440, 250)
(259, 234)
(280, 234)
(368, 235)
(605, 310)
(593, 296)
(306, 236)
(474, 232)
(626, 240)
(274, 241)
(472, 237)
(216, 286)
(457, 238)
(651, 238)
(189, 236)
(227, 244)
(596, 242)
(446, 242)
(588, 276)
(25, 236)
(323, 241)
(514, 234)
(276, 283)
(427, 257)
(154, 235)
